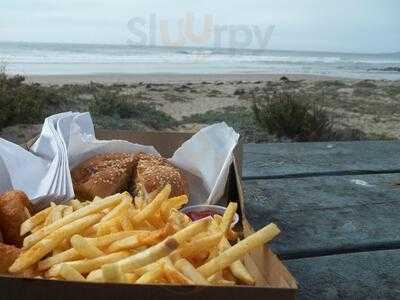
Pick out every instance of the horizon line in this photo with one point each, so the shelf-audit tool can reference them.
(203, 47)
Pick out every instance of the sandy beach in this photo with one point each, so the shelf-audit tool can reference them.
(113, 78)
(361, 109)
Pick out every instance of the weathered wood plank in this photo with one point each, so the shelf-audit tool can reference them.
(367, 275)
(293, 158)
(322, 215)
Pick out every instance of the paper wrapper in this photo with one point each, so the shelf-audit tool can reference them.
(67, 139)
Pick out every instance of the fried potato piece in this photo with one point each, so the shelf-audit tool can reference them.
(237, 251)
(8, 254)
(228, 216)
(174, 275)
(172, 203)
(68, 255)
(15, 209)
(120, 208)
(237, 268)
(105, 240)
(166, 247)
(112, 273)
(190, 272)
(95, 276)
(69, 273)
(151, 276)
(88, 265)
(198, 245)
(46, 245)
(85, 248)
(35, 221)
(76, 215)
(147, 239)
(153, 206)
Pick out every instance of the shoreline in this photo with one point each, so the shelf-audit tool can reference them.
(113, 78)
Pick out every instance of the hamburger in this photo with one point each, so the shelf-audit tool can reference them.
(142, 174)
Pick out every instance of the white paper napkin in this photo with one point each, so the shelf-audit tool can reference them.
(68, 138)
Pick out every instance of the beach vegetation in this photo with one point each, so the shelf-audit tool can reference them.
(121, 109)
(141, 96)
(363, 92)
(330, 83)
(3, 66)
(234, 116)
(238, 117)
(365, 84)
(214, 93)
(174, 97)
(23, 103)
(392, 90)
(284, 79)
(292, 116)
(239, 92)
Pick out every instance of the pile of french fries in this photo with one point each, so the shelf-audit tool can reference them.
(119, 239)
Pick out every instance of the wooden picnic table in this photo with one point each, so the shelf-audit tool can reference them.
(338, 205)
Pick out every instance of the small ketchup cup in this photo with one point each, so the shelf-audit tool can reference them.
(197, 212)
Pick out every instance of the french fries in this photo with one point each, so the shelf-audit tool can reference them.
(46, 245)
(69, 273)
(68, 255)
(85, 248)
(172, 203)
(125, 222)
(151, 276)
(174, 275)
(34, 221)
(188, 270)
(105, 240)
(76, 215)
(120, 208)
(95, 276)
(153, 206)
(228, 217)
(112, 273)
(145, 240)
(88, 265)
(198, 245)
(67, 211)
(237, 268)
(133, 242)
(148, 256)
(239, 250)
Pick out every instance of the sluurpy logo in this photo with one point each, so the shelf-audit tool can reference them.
(155, 31)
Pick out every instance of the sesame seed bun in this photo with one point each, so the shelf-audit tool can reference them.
(154, 172)
(103, 175)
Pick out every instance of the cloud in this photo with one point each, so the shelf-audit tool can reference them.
(333, 25)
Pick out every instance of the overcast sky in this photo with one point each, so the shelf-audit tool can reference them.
(324, 25)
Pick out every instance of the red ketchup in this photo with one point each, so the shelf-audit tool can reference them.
(197, 215)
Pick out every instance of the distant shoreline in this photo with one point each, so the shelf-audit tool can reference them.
(109, 79)
(69, 63)
(5, 42)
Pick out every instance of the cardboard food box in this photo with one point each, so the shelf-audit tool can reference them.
(273, 280)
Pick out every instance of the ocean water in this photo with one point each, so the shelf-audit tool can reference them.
(63, 59)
